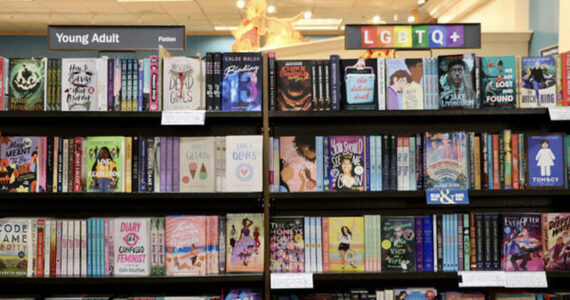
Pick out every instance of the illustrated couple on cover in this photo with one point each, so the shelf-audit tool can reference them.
(405, 86)
(522, 247)
(245, 246)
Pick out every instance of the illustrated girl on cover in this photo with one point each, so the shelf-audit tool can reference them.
(545, 158)
(521, 248)
(559, 255)
(298, 170)
(233, 238)
(347, 179)
(105, 172)
(245, 244)
(346, 254)
(398, 81)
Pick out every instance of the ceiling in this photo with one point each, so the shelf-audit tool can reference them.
(199, 16)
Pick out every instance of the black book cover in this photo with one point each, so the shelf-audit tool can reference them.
(49, 165)
(135, 168)
(439, 243)
(217, 82)
(60, 165)
(272, 81)
(210, 81)
(294, 85)
(386, 162)
(150, 164)
(315, 84)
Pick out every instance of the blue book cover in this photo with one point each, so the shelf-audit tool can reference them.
(101, 230)
(146, 84)
(490, 160)
(419, 244)
(241, 82)
(140, 85)
(538, 82)
(454, 242)
(379, 162)
(89, 247)
(428, 243)
(498, 82)
(445, 256)
(95, 248)
(567, 153)
(446, 160)
(372, 143)
(319, 146)
(545, 161)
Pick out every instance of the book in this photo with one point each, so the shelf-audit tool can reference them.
(348, 158)
(294, 92)
(15, 247)
(26, 80)
(79, 84)
(287, 245)
(105, 158)
(456, 81)
(415, 294)
(196, 165)
(538, 82)
(241, 88)
(498, 82)
(555, 241)
(398, 244)
(181, 86)
(545, 161)
(19, 164)
(132, 247)
(245, 245)
(522, 242)
(404, 77)
(358, 84)
(298, 171)
(243, 163)
(185, 245)
(343, 244)
(445, 160)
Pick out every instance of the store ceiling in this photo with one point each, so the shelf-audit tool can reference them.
(21, 16)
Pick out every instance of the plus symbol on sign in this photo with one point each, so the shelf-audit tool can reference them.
(454, 36)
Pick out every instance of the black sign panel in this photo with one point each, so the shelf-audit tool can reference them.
(116, 38)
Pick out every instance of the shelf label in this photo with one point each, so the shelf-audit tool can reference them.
(183, 117)
(447, 197)
(481, 278)
(526, 279)
(291, 280)
(559, 113)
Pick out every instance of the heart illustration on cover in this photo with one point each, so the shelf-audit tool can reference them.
(244, 172)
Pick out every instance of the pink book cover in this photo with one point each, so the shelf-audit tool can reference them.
(58, 250)
(42, 161)
(107, 230)
(154, 81)
(208, 243)
(185, 245)
(298, 163)
(176, 165)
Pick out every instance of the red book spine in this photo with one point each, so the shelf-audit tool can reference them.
(516, 157)
(77, 165)
(472, 246)
(565, 65)
(325, 234)
(40, 249)
(52, 250)
(154, 82)
(496, 178)
(42, 165)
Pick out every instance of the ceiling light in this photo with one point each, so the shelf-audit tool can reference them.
(270, 9)
(376, 19)
(308, 15)
(240, 4)
(318, 24)
(411, 19)
(420, 2)
(395, 17)
(225, 28)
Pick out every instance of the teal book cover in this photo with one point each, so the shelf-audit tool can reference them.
(498, 81)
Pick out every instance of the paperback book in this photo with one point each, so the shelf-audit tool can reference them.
(245, 243)
(298, 163)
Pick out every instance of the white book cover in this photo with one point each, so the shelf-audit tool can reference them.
(79, 84)
(197, 164)
(76, 248)
(313, 228)
(381, 83)
(243, 163)
(47, 248)
(15, 245)
(181, 83)
(319, 232)
(102, 70)
(70, 245)
(83, 248)
(202, 80)
(131, 247)
(307, 237)
(64, 236)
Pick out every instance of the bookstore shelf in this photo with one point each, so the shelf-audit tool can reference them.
(411, 113)
(111, 115)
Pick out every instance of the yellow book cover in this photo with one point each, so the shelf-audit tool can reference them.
(346, 244)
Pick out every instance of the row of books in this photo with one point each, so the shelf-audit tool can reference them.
(217, 82)
(446, 242)
(433, 160)
(450, 81)
(229, 294)
(131, 247)
(131, 164)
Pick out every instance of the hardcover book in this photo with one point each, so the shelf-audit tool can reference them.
(244, 233)
(294, 92)
(105, 159)
(348, 159)
(298, 163)
(241, 81)
(197, 164)
(404, 77)
(522, 243)
(79, 84)
(398, 244)
(19, 164)
(445, 160)
(359, 88)
(498, 81)
(185, 245)
(287, 245)
(538, 82)
(457, 81)
(15, 247)
(545, 161)
(243, 163)
(26, 84)
(182, 83)
(556, 241)
(131, 247)
(343, 244)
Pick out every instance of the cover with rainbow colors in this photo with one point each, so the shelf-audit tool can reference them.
(244, 234)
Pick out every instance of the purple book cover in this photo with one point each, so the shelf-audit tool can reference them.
(176, 165)
(545, 161)
(168, 177)
(164, 149)
(419, 244)
(110, 84)
(522, 248)
(347, 158)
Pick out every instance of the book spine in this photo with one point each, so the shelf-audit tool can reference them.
(366, 162)
(65, 165)
(564, 78)
(386, 162)
(435, 244)
(319, 242)
(77, 248)
(496, 163)
(459, 242)
(89, 264)
(477, 230)
(222, 244)
(58, 85)
(400, 163)
(217, 81)
(372, 155)
(412, 163)
(487, 242)
(327, 84)
(495, 242)
(378, 154)
(477, 161)
(143, 165)
(77, 165)
(56, 141)
(42, 172)
(501, 161)
(419, 163)
(522, 161)
(439, 243)
(471, 165)
(136, 164)
(272, 89)
(128, 171)
(319, 162)
(428, 244)
(477, 82)
(307, 231)
(154, 82)
(381, 77)
(326, 165)
(515, 160)
(150, 164)
(393, 160)
(64, 247)
(70, 247)
(168, 177)
(313, 228)
(209, 81)
(49, 163)
(419, 244)
(508, 159)
(335, 82)
(326, 250)
(106, 231)
(321, 83)
(490, 164)
(161, 250)
(314, 86)
(110, 84)
(484, 162)
(40, 248)
(176, 165)
(58, 248)
(140, 85)
(2, 92)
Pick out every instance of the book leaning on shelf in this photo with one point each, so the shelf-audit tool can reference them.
(131, 247)
(131, 164)
(429, 243)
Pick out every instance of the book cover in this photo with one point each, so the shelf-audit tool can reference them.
(241, 81)
(294, 90)
(19, 164)
(15, 246)
(556, 241)
(498, 81)
(358, 84)
(298, 172)
(522, 238)
(131, 247)
(287, 245)
(456, 81)
(398, 244)
(105, 158)
(348, 158)
(538, 82)
(445, 160)
(181, 83)
(26, 80)
(185, 245)
(196, 164)
(244, 233)
(345, 241)
(545, 161)
(243, 163)
(79, 84)
(404, 79)
(415, 294)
